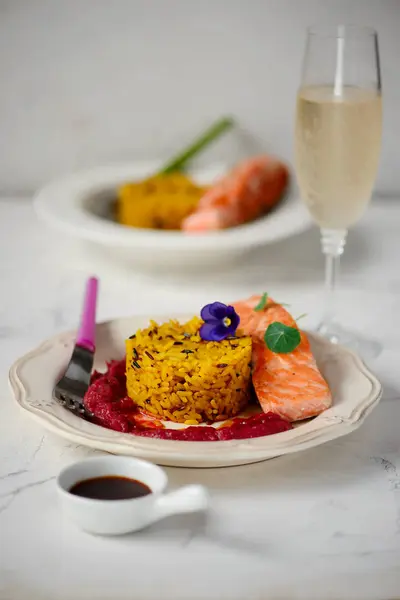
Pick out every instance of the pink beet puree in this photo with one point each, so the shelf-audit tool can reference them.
(106, 399)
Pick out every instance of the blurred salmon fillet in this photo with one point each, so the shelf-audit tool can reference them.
(252, 188)
(289, 385)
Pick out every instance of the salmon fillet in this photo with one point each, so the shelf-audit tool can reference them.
(249, 190)
(289, 385)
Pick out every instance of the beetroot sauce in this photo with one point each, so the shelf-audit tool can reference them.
(106, 399)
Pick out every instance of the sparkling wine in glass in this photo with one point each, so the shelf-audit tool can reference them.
(337, 145)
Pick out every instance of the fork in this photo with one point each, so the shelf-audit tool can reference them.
(71, 388)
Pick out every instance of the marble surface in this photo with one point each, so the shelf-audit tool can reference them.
(324, 523)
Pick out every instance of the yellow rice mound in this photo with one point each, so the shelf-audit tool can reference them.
(160, 202)
(173, 374)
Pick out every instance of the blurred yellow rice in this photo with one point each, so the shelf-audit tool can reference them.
(160, 202)
(175, 375)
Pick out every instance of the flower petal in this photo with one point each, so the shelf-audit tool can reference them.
(220, 332)
(213, 332)
(206, 312)
(230, 330)
(216, 310)
(234, 317)
(206, 332)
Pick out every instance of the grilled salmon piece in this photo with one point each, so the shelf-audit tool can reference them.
(289, 385)
(252, 188)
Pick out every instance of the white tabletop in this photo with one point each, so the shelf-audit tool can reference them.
(324, 523)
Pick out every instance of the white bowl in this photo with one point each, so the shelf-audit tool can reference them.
(116, 517)
(79, 205)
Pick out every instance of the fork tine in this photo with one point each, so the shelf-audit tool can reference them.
(71, 388)
(70, 401)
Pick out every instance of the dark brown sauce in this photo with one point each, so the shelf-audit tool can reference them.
(110, 487)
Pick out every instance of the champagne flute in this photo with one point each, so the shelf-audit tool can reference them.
(337, 146)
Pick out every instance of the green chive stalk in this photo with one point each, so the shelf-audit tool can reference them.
(178, 162)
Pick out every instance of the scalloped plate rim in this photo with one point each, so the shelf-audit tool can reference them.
(323, 428)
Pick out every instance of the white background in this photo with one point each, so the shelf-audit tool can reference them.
(86, 82)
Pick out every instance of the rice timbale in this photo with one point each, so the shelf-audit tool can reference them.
(173, 374)
(160, 202)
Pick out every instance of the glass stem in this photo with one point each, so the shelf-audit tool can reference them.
(333, 242)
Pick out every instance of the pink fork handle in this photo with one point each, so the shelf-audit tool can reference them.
(86, 333)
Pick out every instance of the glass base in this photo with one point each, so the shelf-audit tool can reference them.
(365, 348)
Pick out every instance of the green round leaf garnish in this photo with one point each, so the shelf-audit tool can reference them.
(263, 302)
(281, 339)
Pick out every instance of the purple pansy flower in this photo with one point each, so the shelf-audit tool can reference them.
(220, 321)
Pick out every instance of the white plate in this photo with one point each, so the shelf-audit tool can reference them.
(79, 205)
(355, 393)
